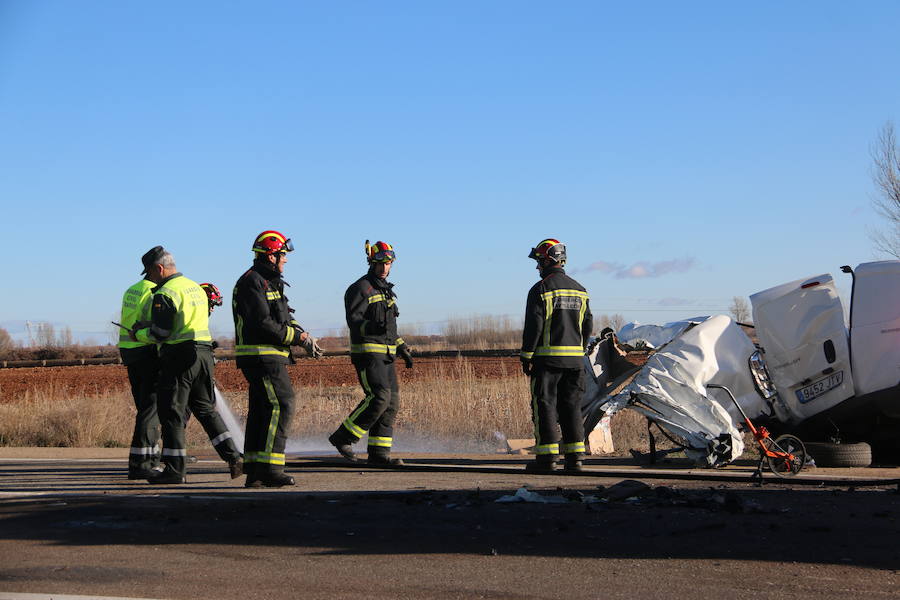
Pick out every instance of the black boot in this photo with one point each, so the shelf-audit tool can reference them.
(381, 457)
(542, 463)
(573, 463)
(269, 476)
(166, 476)
(236, 467)
(138, 473)
(250, 470)
(342, 444)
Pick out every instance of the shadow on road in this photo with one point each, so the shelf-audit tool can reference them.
(813, 526)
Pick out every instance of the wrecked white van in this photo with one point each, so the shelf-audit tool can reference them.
(811, 374)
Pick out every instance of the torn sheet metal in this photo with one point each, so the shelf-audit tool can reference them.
(671, 390)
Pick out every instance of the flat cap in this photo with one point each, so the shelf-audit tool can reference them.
(151, 257)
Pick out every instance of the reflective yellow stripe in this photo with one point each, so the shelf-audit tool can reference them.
(352, 428)
(573, 447)
(548, 316)
(276, 414)
(373, 349)
(260, 351)
(349, 423)
(400, 341)
(381, 442)
(272, 458)
(375, 298)
(526, 355)
(273, 295)
(559, 293)
(288, 336)
(547, 449)
(559, 351)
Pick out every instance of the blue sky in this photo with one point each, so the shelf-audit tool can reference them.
(686, 153)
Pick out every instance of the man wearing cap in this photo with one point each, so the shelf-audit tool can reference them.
(371, 310)
(264, 331)
(141, 359)
(179, 323)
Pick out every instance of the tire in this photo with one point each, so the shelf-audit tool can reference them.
(840, 455)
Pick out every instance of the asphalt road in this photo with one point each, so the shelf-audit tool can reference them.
(70, 523)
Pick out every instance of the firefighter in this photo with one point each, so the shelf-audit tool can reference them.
(213, 296)
(264, 332)
(142, 362)
(180, 325)
(371, 310)
(558, 323)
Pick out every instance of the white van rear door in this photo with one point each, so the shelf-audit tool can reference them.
(801, 326)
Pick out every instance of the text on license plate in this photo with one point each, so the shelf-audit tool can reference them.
(817, 388)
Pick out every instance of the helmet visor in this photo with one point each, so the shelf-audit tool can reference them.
(383, 256)
(288, 246)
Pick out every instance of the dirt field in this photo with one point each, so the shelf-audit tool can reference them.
(95, 380)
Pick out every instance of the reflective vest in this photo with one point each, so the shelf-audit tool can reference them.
(191, 311)
(135, 307)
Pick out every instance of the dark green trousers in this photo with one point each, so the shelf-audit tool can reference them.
(142, 376)
(186, 380)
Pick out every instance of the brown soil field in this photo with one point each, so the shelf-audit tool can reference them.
(97, 380)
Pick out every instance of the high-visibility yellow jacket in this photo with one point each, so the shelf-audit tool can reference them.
(264, 329)
(179, 313)
(371, 309)
(558, 321)
(136, 307)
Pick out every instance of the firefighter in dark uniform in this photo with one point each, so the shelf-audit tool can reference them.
(179, 322)
(371, 309)
(558, 323)
(264, 332)
(141, 359)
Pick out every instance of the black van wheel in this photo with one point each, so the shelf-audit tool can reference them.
(827, 454)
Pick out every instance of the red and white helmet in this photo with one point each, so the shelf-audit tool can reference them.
(272, 242)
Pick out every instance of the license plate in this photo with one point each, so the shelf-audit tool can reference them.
(817, 388)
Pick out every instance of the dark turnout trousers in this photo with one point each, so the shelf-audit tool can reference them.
(556, 398)
(142, 375)
(270, 410)
(377, 411)
(186, 380)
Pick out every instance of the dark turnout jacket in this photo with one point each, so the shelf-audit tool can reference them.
(371, 309)
(264, 329)
(558, 321)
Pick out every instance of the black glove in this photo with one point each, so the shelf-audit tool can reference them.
(404, 353)
(526, 365)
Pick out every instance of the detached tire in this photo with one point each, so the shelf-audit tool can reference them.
(840, 455)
